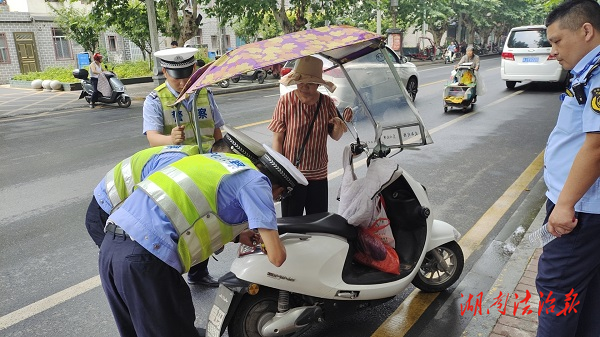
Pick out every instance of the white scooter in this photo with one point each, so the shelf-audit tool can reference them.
(449, 57)
(320, 279)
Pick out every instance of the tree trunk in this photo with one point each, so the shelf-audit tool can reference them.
(175, 29)
(281, 17)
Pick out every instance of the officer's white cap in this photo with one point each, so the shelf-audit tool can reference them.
(179, 62)
(280, 166)
(242, 144)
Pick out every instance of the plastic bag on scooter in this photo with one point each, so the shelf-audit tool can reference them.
(376, 254)
(381, 224)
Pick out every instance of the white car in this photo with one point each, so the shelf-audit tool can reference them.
(526, 57)
(367, 66)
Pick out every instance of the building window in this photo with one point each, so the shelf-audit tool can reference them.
(214, 41)
(227, 42)
(62, 46)
(4, 56)
(199, 38)
(112, 43)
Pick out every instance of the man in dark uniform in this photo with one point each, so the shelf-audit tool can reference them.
(569, 267)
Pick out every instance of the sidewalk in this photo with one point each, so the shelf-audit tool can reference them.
(498, 317)
(25, 101)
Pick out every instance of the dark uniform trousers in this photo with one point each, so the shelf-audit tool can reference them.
(95, 219)
(148, 298)
(313, 197)
(571, 262)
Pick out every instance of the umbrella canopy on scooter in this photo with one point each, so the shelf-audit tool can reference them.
(345, 43)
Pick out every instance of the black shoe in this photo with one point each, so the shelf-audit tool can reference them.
(92, 106)
(207, 281)
(201, 332)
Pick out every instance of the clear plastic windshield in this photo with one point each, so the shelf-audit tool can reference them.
(373, 88)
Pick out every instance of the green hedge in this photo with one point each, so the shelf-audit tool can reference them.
(130, 69)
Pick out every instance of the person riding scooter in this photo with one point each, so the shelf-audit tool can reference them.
(110, 88)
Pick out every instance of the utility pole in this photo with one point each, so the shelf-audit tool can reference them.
(157, 76)
(378, 19)
(394, 5)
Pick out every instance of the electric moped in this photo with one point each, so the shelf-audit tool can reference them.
(117, 88)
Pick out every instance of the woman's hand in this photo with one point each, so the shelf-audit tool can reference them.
(338, 129)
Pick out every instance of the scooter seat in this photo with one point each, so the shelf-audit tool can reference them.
(326, 222)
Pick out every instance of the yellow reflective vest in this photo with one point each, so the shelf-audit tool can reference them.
(206, 122)
(122, 179)
(186, 191)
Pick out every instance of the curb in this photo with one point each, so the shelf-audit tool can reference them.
(510, 278)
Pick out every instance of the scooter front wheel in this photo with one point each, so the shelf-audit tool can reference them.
(252, 312)
(124, 101)
(441, 267)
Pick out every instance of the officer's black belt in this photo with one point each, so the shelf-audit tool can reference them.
(111, 227)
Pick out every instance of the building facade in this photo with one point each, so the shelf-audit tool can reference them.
(31, 41)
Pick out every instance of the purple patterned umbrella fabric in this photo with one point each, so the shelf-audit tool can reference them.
(283, 48)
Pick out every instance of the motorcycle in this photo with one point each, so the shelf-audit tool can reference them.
(117, 93)
(320, 279)
(255, 75)
(449, 57)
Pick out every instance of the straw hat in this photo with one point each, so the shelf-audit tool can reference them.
(308, 69)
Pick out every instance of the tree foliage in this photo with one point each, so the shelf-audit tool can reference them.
(128, 18)
(77, 25)
(254, 19)
(175, 18)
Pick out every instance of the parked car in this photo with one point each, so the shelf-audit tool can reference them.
(526, 57)
(364, 67)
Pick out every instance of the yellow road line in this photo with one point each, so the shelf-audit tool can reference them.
(409, 311)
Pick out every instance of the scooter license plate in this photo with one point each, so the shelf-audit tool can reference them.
(219, 311)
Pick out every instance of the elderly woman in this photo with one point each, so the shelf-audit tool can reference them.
(470, 57)
(302, 120)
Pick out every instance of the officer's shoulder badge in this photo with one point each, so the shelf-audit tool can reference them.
(595, 100)
(153, 94)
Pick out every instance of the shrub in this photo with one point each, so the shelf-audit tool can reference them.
(128, 69)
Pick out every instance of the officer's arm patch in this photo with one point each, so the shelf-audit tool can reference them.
(595, 100)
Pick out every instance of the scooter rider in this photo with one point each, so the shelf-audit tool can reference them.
(159, 232)
(452, 49)
(95, 71)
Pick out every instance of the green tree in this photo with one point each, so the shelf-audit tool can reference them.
(251, 13)
(175, 18)
(129, 19)
(77, 25)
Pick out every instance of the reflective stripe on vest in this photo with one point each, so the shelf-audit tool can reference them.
(206, 121)
(186, 191)
(121, 180)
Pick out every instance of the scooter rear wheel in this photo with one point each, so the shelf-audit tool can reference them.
(252, 310)
(432, 276)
